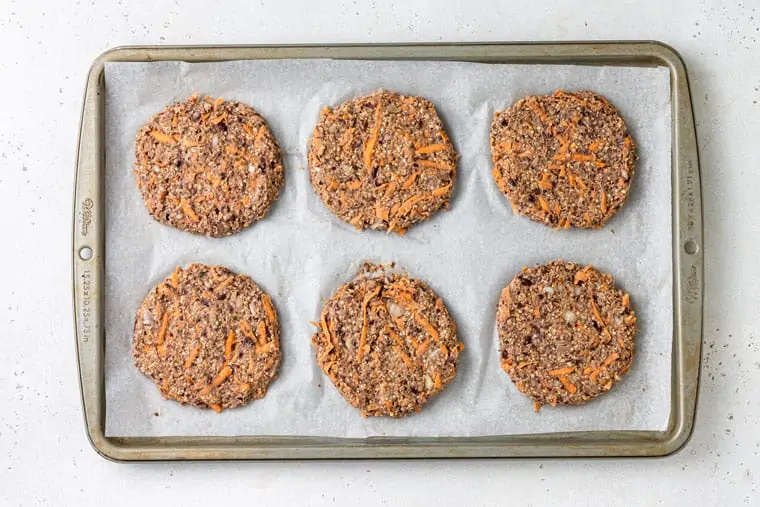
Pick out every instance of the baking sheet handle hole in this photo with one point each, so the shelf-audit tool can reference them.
(85, 253)
(691, 247)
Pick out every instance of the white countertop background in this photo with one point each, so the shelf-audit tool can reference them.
(46, 48)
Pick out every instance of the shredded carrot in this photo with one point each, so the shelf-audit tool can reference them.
(595, 311)
(507, 295)
(161, 137)
(536, 312)
(410, 180)
(224, 283)
(441, 190)
(594, 146)
(599, 164)
(431, 148)
(193, 355)
(175, 277)
(325, 327)
(630, 320)
(603, 205)
(217, 408)
(582, 275)
(581, 184)
(264, 349)
(542, 202)
(363, 336)
(248, 129)
(434, 165)
(427, 326)
(223, 375)
(268, 308)
(562, 371)
(389, 190)
(164, 326)
(218, 102)
(545, 182)
(444, 349)
(626, 300)
(611, 359)
(499, 179)
(437, 380)
(588, 369)
(369, 148)
(261, 331)
(422, 347)
(537, 109)
(189, 213)
(580, 157)
(354, 185)
(595, 374)
(219, 119)
(315, 324)
(537, 406)
(228, 345)
(523, 364)
(568, 385)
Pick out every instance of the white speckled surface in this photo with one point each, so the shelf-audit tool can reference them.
(47, 48)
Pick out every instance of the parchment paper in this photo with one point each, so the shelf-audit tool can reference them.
(300, 252)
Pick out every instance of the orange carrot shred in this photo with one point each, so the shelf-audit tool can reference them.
(268, 308)
(611, 359)
(537, 406)
(218, 102)
(434, 165)
(261, 331)
(569, 386)
(228, 345)
(188, 211)
(440, 190)
(354, 185)
(164, 326)
(217, 408)
(193, 355)
(369, 148)
(224, 283)
(363, 336)
(431, 148)
(542, 202)
(410, 180)
(422, 347)
(427, 326)
(161, 137)
(223, 375)
(562, 371)
(604, 202)
(325, 327)
(545, 182)
(626, 300)
(580, 157)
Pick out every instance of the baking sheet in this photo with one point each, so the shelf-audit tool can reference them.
(300, 252)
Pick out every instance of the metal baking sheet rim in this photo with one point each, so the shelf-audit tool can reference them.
(88, 252)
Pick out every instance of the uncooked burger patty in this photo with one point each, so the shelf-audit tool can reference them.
(382, 161)
(566, 332)
(208, 337)
(208, 166)
(564, 159)
(387, 342)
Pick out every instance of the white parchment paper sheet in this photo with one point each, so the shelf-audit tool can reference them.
(300, 252)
